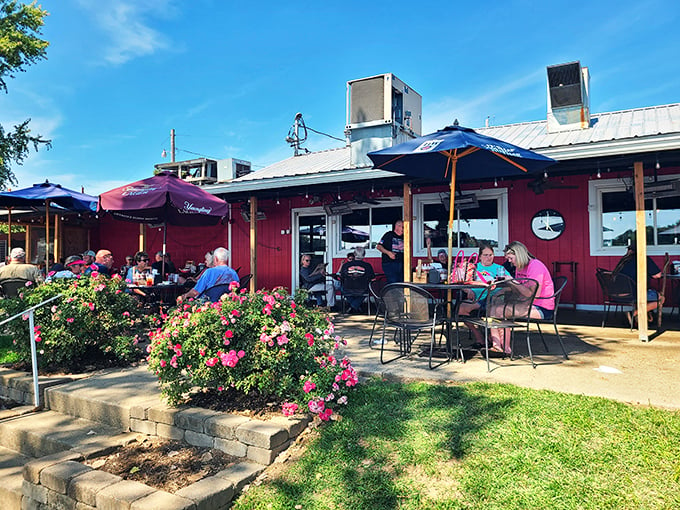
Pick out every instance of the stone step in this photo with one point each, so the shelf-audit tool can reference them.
(50, 432)
(11, 478)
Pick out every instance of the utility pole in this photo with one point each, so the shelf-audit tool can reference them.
(172, 145)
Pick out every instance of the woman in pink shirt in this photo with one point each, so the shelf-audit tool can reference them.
(526, 266)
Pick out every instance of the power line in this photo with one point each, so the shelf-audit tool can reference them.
(326, 134)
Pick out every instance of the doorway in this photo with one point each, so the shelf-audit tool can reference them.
(310, 236)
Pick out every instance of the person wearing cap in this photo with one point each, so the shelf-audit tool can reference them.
(74, 268)
(18, 268)
(88, 257)
(442, 257)
(163, 268)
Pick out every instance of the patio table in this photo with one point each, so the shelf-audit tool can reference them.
(162, 294)
(452, 307)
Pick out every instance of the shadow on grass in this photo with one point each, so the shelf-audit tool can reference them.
(386, 430)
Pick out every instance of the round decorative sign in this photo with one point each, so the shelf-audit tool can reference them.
(547, 224)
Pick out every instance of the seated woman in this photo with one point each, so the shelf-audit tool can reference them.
(526, 266)
(487, 271)
(628, 266)
(314, 280)
(138, 273)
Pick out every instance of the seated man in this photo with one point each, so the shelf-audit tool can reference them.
(355, 276)
(103, 261)
(219, 274)
(159, 265)
(315, 281)
(19, 269)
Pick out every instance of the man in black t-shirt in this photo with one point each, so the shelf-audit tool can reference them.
(392, 248)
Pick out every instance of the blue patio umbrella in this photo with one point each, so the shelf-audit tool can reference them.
(457, 153)
(42, 195)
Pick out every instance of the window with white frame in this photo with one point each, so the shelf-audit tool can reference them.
(485, 221)
(612, 219)
(365, 225)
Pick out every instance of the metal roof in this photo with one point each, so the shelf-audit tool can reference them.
(650, 129)
(329, 166)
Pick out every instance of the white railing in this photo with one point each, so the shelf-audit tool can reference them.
(34, 351)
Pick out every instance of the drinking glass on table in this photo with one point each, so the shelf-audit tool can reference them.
(500, 275)
(149, 280)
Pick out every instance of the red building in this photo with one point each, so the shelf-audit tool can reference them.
(578, 216)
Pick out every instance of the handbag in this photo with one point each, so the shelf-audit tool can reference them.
(463, 270)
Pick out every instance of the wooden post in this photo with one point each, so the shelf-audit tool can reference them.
(28, 243)
(57, 238)
(641, 240)
(253, 243)
(9, 231)
(408, 216)
(142, 237)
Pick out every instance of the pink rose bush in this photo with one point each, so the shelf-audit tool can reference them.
(92, 320)
(254, 343)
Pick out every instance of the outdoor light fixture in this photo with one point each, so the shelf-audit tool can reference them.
(657, 163)
(495, 183)
(164, 154)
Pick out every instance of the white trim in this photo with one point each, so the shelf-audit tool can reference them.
(500, 194)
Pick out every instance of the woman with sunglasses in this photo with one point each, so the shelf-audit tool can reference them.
(140, 270)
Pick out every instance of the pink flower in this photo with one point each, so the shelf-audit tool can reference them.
(308, 386)
(310, 339)
(211, 362)
(229, 334)
(29, 283)
(220, 388)
(342, 400)
(163, 363)
(282, 339)
(126, 314)
(289, 408)
(326, 414)
(69, 320)
(316, 406)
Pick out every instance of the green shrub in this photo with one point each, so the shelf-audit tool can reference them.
(95, 321)
(262, 342)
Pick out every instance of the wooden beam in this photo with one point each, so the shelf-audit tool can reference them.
(253, 243)
(641, 240)
(142, 237)
(408, 217)
(57, 238)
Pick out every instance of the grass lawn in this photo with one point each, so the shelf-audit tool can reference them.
(474, 446)
(7, 355)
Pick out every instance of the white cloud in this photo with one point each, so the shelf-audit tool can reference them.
(471, 111)
(127, 26)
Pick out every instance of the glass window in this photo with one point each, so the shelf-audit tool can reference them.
(473, 224)
(365, 226)
(612, 220)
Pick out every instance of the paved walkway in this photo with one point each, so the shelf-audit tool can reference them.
(608, 362)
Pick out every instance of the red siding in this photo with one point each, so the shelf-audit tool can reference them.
(274, 249)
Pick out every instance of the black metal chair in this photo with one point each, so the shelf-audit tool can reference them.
(618, 290)
(12, 286)
(214, 293)
(409, 310)
(355, 286)
(558, 285)
(508, 306)
(244, 282)
(375, 287)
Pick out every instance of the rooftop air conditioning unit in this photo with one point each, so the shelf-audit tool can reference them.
(232, 168)
(568, 97)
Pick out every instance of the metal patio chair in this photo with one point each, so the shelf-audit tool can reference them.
(558, 284)
(409, 310)
(508, 307)
(618, 290)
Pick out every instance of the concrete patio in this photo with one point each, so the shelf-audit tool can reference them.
(608, 362)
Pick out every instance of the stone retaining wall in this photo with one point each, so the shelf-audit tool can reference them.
(61, 481)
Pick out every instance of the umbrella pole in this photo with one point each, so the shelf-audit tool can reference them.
(47, 237)
(165, 232)
(452, 196)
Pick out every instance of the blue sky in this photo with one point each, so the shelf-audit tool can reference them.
(229, 77)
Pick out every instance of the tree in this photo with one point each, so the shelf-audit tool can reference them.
(20, 46)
